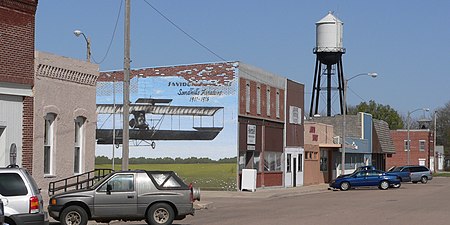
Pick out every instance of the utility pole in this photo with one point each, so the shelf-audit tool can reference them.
(126, 88)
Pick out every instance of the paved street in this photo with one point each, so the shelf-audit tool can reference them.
(411, 204)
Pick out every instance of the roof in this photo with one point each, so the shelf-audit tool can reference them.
(329, 18)
(384, 137)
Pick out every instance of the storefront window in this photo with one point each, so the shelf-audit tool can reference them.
(323, 160)
(272, 161)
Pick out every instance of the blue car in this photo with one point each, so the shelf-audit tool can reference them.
(376, 178)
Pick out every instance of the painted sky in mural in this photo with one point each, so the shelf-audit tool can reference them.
(181, 92)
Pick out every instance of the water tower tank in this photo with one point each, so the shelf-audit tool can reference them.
(329, 34)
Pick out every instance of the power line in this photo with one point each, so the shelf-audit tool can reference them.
(179, 28)
(112, 38)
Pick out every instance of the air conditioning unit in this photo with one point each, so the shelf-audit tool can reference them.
(337, 140)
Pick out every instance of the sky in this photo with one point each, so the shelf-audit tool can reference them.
(405, 42)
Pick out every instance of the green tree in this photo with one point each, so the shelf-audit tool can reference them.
(379, 111)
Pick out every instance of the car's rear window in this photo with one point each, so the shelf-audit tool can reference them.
(166, 180)
(11, 184)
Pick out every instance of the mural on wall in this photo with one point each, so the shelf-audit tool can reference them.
(186, 114)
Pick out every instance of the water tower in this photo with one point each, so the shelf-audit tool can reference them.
(329, 51)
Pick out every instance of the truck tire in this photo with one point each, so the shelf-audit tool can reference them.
(73, 215)
(160, 214)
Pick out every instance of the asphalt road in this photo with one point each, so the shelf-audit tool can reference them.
(410, 204)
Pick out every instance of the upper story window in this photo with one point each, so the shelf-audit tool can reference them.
(78, 144)
(258, 99)
(247, 96)
(277, 104)
(268, 101)
(49, 143)
(406, 145)
(422, 145)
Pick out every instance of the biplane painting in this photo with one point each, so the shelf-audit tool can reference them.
(179, 111)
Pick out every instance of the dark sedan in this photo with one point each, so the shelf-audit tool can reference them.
(376, 178)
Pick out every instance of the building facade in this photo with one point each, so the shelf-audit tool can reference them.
(421, 148)
(64, 118)
(17, 25)
(253, 113)
(320, 148)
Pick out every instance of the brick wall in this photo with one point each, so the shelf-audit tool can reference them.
(27, 130)
(401, 156)
(17, 41)
(253, 100)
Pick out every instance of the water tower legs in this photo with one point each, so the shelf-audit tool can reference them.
(317, 86)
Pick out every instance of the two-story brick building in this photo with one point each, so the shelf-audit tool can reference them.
(421, 148)
(17, 25)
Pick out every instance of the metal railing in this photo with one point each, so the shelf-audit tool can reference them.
(77, 182)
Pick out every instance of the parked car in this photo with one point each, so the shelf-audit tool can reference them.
(417, 173)
(359, 169)
(158, 197)
(21, 197)
(366, 178)
(403, 174)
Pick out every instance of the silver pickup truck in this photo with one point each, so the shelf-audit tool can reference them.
(158, 197)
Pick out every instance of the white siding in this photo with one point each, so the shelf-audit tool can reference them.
(11, 111)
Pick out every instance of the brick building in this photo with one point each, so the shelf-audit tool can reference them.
(421, 149)
(17, 27)
(64, 118)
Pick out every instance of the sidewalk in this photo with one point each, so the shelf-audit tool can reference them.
(207, 197)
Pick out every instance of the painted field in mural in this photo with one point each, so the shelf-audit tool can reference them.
(207, 176)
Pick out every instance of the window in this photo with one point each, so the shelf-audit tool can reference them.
(78, 146)
(406, 142)
(120, 183)
(258, 99)
(300, 163)
(272, 161)
(277, 104)
(247, 96)
(14, 185)
(268, 101)
(323, 160)
(422, 145)
(48, 143)
(288, 163)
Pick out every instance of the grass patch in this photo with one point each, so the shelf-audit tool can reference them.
(207, 176)
(441, 174)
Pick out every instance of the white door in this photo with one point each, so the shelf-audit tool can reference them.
(293, 167)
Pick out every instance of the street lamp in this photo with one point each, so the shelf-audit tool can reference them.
(88, 43)
(408, 124)
(372, 74)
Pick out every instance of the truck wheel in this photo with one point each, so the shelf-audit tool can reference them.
(344, 186)
(74, 215)
(424, 180)
(160, 214)
(384, 185)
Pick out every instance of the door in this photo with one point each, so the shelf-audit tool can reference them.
(116, 197)
(293, 169)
